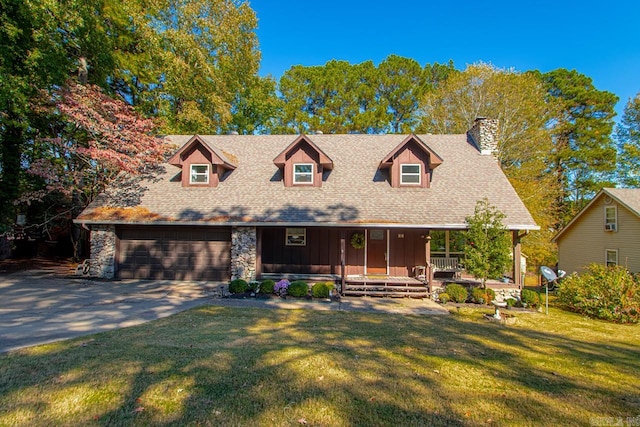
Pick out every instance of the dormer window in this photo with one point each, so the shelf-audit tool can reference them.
(303, 173)
(410, 163)
(199, 174)
(410, 174)
(303, 163)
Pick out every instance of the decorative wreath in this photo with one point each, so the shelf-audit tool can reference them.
(357, 240)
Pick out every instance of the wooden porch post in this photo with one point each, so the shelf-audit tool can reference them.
(343, 262)
(427, 255)
(517, 254)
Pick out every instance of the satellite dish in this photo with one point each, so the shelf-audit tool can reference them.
(548, 273)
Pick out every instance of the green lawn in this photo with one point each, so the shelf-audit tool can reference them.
(223, 366)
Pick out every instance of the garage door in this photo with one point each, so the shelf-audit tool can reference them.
(174, 253)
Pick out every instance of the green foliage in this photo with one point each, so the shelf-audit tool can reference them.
(488, 245)
(321, 289)
(628, 140)
(608, 293)
(482, 296)
(444, 297)
(254, 286)
(456, 292)
(298, 288)
(238, 286)
(530, 298)
(584, 155)
(510, 302)
(266, 287)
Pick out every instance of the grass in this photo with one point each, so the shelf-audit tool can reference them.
(226, 366)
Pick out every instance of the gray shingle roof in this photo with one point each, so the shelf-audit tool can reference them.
(354, 192)
(630, 197)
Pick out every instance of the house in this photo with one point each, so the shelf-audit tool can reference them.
(343, 206)
(606, 231)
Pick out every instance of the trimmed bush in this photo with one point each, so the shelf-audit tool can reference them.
(266, 287)
(298, 288)
(321, 289)
(510, 302)
(458, 293)
(478, 296)
(529, 297)
(238, 286)
(444, 297)
(608, 293)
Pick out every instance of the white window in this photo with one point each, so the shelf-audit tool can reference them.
(611, 257)
(410, 174)
(199, 174)
(610, 218)
(296, 237)
(303, 173)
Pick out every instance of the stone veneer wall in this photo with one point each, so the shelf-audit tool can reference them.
(103, 251)
(485, 134)
(243, 253)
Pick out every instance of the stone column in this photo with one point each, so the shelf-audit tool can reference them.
(103, 251)
(243, 253)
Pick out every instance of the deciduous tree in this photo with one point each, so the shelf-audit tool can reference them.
(487, 244)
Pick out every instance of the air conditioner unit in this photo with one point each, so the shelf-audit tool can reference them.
(610, 227)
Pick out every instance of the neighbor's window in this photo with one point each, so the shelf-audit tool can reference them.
(610, 218)
(303, 173)
(199, 174)
(410, 174)
(296, 237)
(611, 257)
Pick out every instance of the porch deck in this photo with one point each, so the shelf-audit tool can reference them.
(394, 286)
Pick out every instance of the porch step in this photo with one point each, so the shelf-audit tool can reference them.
(382, 289)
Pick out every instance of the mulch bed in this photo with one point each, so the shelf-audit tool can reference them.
(56, 266)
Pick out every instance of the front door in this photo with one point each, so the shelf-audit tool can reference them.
(377, 251)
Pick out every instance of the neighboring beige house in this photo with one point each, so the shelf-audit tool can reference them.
(606, 231)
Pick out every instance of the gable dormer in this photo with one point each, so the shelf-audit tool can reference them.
(303, 163)
(202, 165)
(411, 163)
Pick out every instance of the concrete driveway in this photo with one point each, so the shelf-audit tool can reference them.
(39, 307)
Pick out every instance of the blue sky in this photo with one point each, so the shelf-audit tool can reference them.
(600, 39)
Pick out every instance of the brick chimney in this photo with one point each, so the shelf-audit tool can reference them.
(484, 135)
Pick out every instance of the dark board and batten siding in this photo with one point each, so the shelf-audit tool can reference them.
(174, 253)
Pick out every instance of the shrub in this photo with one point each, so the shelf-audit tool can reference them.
(298, 288)
(266, 287)
(458, 293)
(478, 296)
(491, 295)
(281, 287)
(238, 286)
(510, 302)
(321, 289)
(444, 297)
(529, 297)
(608, 293)
(254, 286)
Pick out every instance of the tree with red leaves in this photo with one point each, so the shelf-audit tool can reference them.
(95, 139)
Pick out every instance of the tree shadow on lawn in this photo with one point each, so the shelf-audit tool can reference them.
(253, 366)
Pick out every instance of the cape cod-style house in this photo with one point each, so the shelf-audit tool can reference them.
(354, 207)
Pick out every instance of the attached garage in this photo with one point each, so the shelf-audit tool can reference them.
(173, 253)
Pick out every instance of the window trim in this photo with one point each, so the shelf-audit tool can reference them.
(606, 257)
(611, 225)
(403, 174)
(205, 174)
(292, 232)
(296, 174)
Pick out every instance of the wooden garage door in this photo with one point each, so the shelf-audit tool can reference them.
(174, 253)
